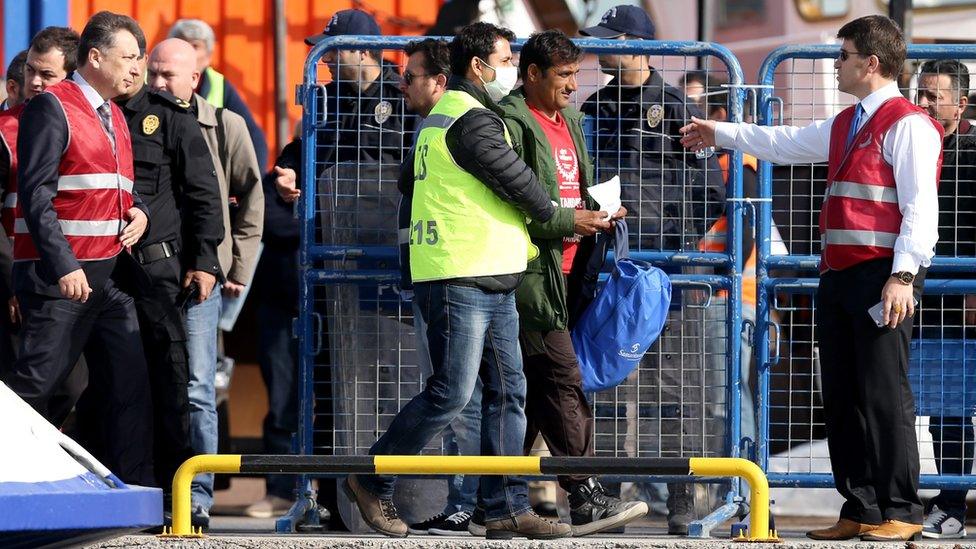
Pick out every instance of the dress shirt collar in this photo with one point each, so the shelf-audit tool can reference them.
(94, 99)
(873, 102)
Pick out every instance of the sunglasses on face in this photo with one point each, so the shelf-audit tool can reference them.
(408, 77)
(845, 55)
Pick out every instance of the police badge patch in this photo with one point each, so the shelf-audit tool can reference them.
(382, 112)
(150, 124)
(654, 115)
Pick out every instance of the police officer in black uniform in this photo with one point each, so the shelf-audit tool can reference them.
(176, 260)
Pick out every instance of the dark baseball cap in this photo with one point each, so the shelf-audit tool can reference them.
(347, 22)
(621, 20)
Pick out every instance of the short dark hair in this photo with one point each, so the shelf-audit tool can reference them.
(15, 70)
(716, 95)
(546, 49)
(100, 32)
(880, 36)
(437, 55)
(957, 72)
(61, 38)
(475, 40)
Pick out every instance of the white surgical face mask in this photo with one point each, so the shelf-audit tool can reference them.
(504, 82)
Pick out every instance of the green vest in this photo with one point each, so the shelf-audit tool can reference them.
(458, 226)
(215, 96)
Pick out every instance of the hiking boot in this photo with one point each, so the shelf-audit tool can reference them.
(592, 510)
(423, 527)
(940, 524)
(454, 525)
(527, 525)
(476, 526)
(681, 507)
(379, 513)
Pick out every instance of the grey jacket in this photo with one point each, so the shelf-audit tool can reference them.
(240, 178)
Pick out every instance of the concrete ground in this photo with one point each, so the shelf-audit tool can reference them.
(230, 529)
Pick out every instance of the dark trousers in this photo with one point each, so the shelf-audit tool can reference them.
(8, 338)
(55, 333)
(276, 287)
(555, 404)
(868, 404)
(155, 287)
(952, 441)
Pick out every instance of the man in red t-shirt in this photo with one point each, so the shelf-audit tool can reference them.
(548, 135)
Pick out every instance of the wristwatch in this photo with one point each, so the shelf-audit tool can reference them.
(904, 277)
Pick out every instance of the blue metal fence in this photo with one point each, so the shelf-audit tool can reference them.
(788, 396)
(353, 314)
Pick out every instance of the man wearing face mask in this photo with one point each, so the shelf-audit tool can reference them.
(469, 248)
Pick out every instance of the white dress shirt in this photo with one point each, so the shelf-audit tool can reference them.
(91, 95)
(912, 147)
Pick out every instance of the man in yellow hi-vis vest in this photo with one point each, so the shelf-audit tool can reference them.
(469, 248)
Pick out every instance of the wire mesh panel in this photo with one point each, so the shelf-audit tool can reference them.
(802, 89)
(361, 360)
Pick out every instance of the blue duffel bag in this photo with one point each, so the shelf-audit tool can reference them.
(624, 320)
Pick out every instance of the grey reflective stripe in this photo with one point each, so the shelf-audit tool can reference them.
(71, 227)
(439, 121)
(403, 236)
(874, 193)
(10, 201)
(859, 238)
(714, 238)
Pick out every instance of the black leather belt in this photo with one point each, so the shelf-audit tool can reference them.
(155, 252)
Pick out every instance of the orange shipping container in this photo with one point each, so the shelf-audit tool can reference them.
(245, 38)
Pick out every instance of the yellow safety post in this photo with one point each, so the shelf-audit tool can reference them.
(758, 485)
(181, 488)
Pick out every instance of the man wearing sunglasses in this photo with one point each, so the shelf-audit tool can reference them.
(878, 227)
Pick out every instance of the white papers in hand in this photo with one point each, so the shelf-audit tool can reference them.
(607, 195)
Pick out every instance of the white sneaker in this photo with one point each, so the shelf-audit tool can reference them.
(268, 507)
(941, 525)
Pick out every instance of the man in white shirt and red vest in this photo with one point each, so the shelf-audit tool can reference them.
(77, 213)
(878, 227)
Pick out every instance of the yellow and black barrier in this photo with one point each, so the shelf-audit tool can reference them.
(472, 465)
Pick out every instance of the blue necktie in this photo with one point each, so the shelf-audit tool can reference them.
(858, 111)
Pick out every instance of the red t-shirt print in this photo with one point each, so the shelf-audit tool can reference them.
(567, 174)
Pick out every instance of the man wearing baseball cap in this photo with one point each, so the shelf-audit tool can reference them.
(675, 196)
(365, 113)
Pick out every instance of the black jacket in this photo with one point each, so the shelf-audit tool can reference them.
(368, 126)
(671, 197)
(942, 315)
(175, 176)
(280, 224)
(477, 143)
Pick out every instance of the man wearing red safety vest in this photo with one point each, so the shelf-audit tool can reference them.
(77, 212)
(878, 227)
(52, 55)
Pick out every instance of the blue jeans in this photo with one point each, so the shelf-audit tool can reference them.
(462, 437)
(201, 344)
(467, 330)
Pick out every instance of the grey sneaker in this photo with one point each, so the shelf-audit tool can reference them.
(527, 525)
(942, 525)
(379, 513)
(592, 510)
(681, 507)
(476, 526)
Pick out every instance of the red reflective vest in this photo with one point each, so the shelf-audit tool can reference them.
(94, 181)
(860, 219)
(9, 122)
